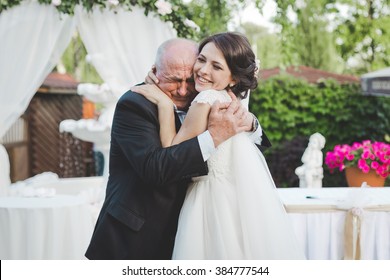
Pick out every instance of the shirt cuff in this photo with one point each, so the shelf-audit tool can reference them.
(206, 144)
(255, 136)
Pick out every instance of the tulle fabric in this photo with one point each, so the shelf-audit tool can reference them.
(235, 211)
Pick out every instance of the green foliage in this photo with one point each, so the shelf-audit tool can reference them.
(288, 108)
(74, 61)
(284, 158)
(306, 39)
(267, 46)
(177, 17)
(364, 35)
(212, 16)
(313, 44)
(356, 38)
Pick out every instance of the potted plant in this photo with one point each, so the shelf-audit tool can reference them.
(364, 161)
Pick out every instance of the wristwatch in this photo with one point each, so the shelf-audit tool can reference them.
(255, 123)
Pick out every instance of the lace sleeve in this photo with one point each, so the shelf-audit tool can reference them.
(211, 95)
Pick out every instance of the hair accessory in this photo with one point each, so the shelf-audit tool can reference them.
(257, 65)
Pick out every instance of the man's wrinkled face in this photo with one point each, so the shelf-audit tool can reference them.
(178, 83)
(175, 73)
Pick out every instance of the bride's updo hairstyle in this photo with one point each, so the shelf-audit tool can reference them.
(240, 59)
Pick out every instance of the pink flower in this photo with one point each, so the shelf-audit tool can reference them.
(350, 157)
(366, 143)
(365, 155)
(357, 145)
(374, 165)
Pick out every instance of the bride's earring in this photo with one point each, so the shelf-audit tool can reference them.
(231, 85)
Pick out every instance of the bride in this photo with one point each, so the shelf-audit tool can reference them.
(234, 212)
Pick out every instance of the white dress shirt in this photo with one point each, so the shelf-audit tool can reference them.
(206, 142)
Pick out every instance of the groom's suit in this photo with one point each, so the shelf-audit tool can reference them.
(146, 186)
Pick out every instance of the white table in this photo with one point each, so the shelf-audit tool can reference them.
(58, 227)
(319, 218)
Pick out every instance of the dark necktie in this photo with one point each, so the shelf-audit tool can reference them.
(179, 117)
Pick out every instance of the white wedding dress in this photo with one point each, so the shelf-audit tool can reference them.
(234, 212)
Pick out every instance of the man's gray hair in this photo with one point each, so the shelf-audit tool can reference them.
(162, 49)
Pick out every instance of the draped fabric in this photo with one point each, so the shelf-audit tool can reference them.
(4, 171)
(121, 45)
(33, 38)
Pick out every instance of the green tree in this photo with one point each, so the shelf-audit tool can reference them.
(306, 38)
(313, 43)
(360, 28)
(74, 61)
(363, 34)
(212, 16)
(266, 45)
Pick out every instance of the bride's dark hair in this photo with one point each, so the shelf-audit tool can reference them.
(239, 57)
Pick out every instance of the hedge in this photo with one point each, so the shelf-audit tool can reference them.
(291, 109)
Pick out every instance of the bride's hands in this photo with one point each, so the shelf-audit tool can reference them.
(153, 94)
(151, 78)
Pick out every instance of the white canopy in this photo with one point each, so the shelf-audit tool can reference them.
(122, 45)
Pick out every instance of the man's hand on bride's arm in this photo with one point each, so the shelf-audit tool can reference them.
(226, 120)
(245, 120)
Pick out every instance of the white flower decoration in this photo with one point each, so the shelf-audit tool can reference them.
(113, 2)
(191, 24)
(56, 2)
(163, 7)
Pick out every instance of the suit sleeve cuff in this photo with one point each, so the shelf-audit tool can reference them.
(206, 144)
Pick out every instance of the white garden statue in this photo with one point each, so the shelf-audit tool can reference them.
(311, 172)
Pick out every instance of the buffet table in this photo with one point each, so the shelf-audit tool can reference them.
(57, 227)
(340, 223)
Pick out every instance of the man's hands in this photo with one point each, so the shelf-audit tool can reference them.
(228, 119)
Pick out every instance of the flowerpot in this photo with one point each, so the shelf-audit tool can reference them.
(356, 177)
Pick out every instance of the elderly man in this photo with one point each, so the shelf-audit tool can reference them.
(147, 183)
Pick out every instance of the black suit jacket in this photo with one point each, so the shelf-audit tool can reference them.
(146, 186)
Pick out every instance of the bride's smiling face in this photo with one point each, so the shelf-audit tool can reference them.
(211, 70)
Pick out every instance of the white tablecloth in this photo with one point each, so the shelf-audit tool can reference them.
(58, 227)
(319, 222)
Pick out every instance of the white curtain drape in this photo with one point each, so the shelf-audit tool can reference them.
(121, 44)
(4, 171)
(33, 38)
